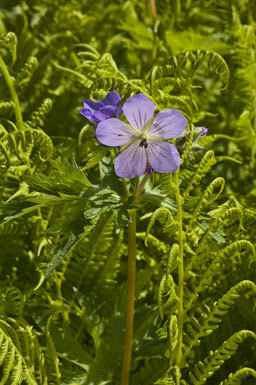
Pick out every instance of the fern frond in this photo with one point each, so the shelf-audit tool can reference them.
(237, 377)
(167, 289)
(14, 302)
(39, 116)
(172, 259)
(154, 242)
(203, 167)
(171, 377)
(214, 268)
(16, 354)
(9, 41)
(123, 87)
(228, 158)
(166, 186)
(173, 333)
(231, 213)
(110, 270)
(51, 359)
(148, 373)
(184, 66)
(90, 255)
(188, 144)
(179, 102)
(26, 143)
(238, 247)
(165, 217)
(27, 70)
(211, 321)
(162, 78)
(219, 219)
(203, 370)
(12, 228)
(90, 51)
(208, 193)
(6, 106)
(192, 60)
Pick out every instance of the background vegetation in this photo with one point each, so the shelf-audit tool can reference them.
(63, 231)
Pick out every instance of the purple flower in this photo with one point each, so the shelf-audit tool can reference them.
(144, 140)
(102, 109)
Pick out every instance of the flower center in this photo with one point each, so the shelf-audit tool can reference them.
(144, 143)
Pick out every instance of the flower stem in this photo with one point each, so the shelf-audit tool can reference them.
(181, 270)
(12, 90)
(140, 188)
(153, 10)
(130, 283)
(127, 194)
(129, 299)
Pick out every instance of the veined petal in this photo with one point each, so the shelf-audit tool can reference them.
(88, 103)
(104, 113)
(168, 124)
(119, 112)
(163, 156)
(138, 110)
(86, 112)
(132, 161)
(113, 132)
(112, 98)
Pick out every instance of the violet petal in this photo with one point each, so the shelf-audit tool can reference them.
(86, 112)
(168, 124)
(88, 103)
(112, 99)
(163, 156)
(131, 162)
(138, 110)
(119, 112)
(113, 132)
(104, 113)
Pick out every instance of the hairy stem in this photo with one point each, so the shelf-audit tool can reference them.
(130, 283)
(140, 188)
(181, 270)
(127, 194)
(129, 299)
(12, 90)
(153, 10)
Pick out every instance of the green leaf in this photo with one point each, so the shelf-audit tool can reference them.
(67, 245)
(95, 157)
(15, 209)
(217, 235)
(69, 348)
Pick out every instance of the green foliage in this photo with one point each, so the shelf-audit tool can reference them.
(64, 213)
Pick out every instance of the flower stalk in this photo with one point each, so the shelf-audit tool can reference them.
(14, 96)
(153, 10)
(140, 188)
(129, 316)
(181, 270)
(129, 299)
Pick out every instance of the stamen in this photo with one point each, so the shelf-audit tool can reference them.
(144, 143)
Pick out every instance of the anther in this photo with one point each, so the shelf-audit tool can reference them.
(144, 143)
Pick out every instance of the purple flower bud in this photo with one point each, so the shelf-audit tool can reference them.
(149, 169)
(203, 131)
(102, 109)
